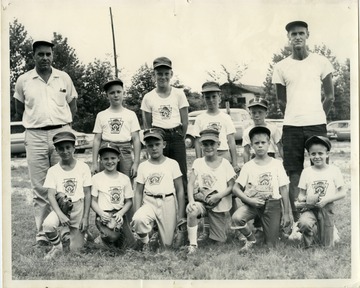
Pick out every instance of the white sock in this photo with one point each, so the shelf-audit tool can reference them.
(192, 234)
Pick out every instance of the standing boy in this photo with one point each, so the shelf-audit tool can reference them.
(258, 110)
(166, 107)
(261, 186)
(73, 178)
(209, 190)
(213, 118)
(111, 196)
(299, 79)
(120, 126)
(320, 186)
(159, 194)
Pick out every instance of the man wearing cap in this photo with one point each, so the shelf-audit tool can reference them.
(298, 79)
(166, 107)
(45, 100)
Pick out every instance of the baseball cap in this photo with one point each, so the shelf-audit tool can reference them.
(259, 130)
(64, 136)
(108, 146)
(258, 102)
(157, 133)
(209, 134)
(43, 42)
(107, 85)
(210, 87)
(292, 24)
(162, 61)
(318, 140)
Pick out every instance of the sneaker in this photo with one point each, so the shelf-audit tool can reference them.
(142, 247)
(191, 249)
(54, 252)
(43, 243)
(239, 236)
(295, 233)
(247, 246)
(203, 237)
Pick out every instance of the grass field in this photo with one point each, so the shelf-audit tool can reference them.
(221, 262)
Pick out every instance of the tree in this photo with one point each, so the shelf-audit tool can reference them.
(92, 98)
(141, 83)
(341, 79)
(233, 78)
(20, 57)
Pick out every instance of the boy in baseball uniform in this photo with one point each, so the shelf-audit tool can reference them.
(111, 198)
(73, 178)
(213, 174)
(320, 186)
(262, 185)
(159, 194)
(120, 126)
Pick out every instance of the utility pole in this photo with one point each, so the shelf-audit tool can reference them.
(114, 46)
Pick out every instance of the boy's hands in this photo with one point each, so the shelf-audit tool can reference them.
(256, 202)
(84, 224)
(94, 168)
(105, 217)
(190, 207)
(285, 220)
(118, 217)
(321, 203)
(213, 199)
(64, 220)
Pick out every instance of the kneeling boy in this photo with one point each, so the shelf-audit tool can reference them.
(261, 186)
(213, 174)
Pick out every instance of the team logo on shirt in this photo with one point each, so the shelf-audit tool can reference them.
(165, 111)
(214, 125)
(70, 186)
(265, 179)
(208, 180)
(116, 194)
(155, 178)
(115, 125)
(320, 187)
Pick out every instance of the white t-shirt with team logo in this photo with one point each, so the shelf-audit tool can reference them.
(268, 178)
(71, 182)
(165, 111)
(214, 179)
(221, 122)
(322, 182)
(158, 178)
(116, 127)
(111, 191)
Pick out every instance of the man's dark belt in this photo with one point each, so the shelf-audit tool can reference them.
(159, 195)
(51, 127)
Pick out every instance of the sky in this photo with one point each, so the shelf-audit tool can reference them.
(197, 35)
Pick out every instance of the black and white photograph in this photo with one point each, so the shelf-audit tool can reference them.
(180, 143)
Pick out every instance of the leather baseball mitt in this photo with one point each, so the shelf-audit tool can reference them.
(203, 195)
(64, 202)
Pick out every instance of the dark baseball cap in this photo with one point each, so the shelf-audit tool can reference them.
(42, 42)
(210, 87)
(209, 134)
(258, 102)
(111, 82)
(162, 61)
(64, 136)
(318, 140)
(157, 133)
(108, 146)
(259, 130)
(292, 24)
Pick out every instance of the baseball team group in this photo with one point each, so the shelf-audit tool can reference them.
(156, 203)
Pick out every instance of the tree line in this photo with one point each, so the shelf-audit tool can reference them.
(88, 80)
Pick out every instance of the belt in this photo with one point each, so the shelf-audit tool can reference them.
(170, 129)
(50, 127)
(159, 195)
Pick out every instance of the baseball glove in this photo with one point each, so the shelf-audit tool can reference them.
(259, 191)
(64, 202)
(112, 224)
(180, 234)
(203, 195)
